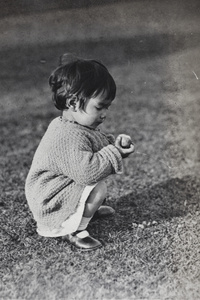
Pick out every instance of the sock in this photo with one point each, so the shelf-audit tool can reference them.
(84, 223)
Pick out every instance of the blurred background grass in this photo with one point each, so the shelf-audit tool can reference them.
(152, 50)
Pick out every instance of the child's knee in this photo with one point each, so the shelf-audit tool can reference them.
(101, 189)
(99, 193)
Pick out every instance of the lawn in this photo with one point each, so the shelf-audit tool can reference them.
(152, 244)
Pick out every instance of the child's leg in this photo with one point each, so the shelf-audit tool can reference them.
(81, 238)
(94, 201)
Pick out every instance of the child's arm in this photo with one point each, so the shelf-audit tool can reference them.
(110, 138)
(84, 166)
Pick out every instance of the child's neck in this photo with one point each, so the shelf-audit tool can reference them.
(66, 115)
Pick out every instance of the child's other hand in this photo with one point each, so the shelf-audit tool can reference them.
(124, 144)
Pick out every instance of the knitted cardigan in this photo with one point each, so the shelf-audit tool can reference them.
(68, 158)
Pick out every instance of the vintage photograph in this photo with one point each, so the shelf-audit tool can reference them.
(100, 150)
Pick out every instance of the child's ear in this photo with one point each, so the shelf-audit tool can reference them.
(72, 102)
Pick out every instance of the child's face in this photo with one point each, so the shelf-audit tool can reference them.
(94, 112)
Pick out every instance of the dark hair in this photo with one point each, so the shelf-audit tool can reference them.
(82, 79)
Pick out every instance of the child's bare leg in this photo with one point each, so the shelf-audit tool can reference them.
(81, 239)
(95, 199)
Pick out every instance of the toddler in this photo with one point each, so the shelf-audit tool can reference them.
(65, 186)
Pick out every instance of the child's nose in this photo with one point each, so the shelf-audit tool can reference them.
(103, 114)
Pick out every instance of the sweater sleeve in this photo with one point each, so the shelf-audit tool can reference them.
(110, 138)
(84, 166)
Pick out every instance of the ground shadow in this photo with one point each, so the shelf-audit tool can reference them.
(174, 198)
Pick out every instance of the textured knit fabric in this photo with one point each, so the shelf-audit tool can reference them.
(68, 158)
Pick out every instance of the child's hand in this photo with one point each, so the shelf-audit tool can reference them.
(124, 144)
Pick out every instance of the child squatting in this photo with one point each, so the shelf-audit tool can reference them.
(65, 186)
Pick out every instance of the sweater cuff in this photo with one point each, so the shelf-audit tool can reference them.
(114, 156)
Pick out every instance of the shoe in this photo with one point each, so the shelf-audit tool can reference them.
(82, 240)
(104, 211)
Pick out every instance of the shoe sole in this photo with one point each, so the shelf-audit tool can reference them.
(73, 247)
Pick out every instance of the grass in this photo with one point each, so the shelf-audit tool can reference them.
(151, 246)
